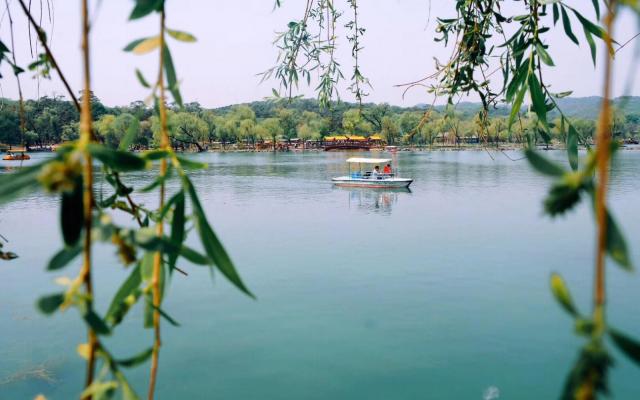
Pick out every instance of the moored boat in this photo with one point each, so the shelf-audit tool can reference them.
(16, 157)
(370, 179)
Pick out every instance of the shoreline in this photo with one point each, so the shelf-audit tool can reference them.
(400, 149)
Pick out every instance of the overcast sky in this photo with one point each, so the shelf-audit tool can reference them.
(235, 43)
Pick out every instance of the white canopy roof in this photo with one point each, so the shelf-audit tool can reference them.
(368, 160)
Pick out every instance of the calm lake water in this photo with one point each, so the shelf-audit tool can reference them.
(437, 293)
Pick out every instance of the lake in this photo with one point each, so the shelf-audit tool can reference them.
(437, 293)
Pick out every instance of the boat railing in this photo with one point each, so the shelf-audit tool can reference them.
(368, 175)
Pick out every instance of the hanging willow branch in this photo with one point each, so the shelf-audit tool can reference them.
(157, 259)
(303, 49)
(16, 72)
(87, 196)
(42, 37)
(357, 79)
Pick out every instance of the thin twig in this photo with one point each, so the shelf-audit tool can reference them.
(43, 41)
(627, 42)
(16, 74)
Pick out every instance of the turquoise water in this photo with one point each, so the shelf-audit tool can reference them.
(436, 293)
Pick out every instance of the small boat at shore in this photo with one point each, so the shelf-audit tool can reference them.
(16, 157)
(369, 179)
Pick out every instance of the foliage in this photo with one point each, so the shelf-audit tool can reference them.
(50, 121)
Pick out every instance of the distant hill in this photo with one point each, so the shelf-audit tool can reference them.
(589, 107)
(575, 107)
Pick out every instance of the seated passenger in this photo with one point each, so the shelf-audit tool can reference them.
(387, 169)
(375, 172)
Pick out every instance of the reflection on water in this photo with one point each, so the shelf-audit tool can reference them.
(374, 200)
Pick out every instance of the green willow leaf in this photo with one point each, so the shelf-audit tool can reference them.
(164, 315)
(561, 294)
(170, 203)
(544, 56)
(71, 214)
(121, 302)
(99, 389)
(630, 347)
(127, 391)
(616, 244)
(170, 73)
(562, 197)
(150, 187)
(133, 44)
(542, 164)
(147, 45)
(590, 26)
(566, 23)
(214, 249)
(64, 257)
(190, 164)
(538, 99)
(177, 228)
(159, 180)
(141, 79)
(109, 201)
(130, 134)
(193, 256)
(181, 36)
(136, 360)
(96, 323)
(596, 7)
(572, 146)
(592, 366)
(517, 104)
(145, 7)
(146, 265)
(155, 155)
(148, 311)
(584, 327)
(50, 303)
(119, 161)
(592, 45)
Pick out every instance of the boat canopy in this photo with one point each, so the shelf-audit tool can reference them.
(368, 160)
(334, 138)
(17, 150)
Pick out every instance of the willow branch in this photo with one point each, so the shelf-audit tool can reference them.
(157, 260)
(603, 156)
(43, 41)
(87, 197)
(16, 74)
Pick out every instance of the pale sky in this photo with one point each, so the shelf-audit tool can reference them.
(235, 43)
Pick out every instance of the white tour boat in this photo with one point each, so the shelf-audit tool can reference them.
(370, 179)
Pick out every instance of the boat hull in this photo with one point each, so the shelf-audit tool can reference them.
(16, 157)
(372, 183)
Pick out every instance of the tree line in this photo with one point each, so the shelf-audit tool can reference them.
(53, 120)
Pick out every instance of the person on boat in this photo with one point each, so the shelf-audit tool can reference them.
(375, 172)
(387, 169)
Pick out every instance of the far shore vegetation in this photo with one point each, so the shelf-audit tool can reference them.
(282, 124)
